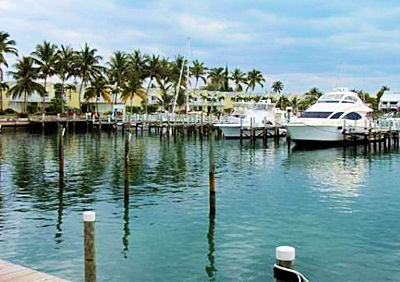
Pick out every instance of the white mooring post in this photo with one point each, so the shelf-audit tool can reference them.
(89, 246)
(285, 256)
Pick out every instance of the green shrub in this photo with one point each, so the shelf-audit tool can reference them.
(22, 115)
(9, 111)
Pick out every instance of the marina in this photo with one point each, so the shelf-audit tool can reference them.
(168, 187)
(199, 141)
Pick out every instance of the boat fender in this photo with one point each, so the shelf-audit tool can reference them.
(340, 128)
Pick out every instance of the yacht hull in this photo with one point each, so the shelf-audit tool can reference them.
(315, 133)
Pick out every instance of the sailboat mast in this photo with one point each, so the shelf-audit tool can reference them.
(187, 77)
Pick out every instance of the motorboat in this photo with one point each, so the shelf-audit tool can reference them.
(326, 120)
(256, 115)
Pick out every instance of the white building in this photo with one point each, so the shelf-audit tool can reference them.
(390, 101)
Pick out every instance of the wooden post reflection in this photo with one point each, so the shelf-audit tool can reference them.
(61, 185)
(125, 237)
(210, 269)
(61, 152)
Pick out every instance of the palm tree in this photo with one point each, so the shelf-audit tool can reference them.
(217, 77)
(99, 87)
(165, 83)
(294, 103)
(254, 77)
(277, 87)
(138, 62)
(152, 71)
(282, 102)
(313, 94)
(238, 77)
(87, 66)
(3, 86)
(198, 71)
(45, 56)
(131, 88)
(380, 93)
(118, 66)
(64, 67)
(7, 46)
(25, 76)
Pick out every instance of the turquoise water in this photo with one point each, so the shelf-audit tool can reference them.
(339, 209)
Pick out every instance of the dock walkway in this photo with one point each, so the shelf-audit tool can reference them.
(16, 273)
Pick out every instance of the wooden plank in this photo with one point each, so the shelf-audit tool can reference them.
(13, 272)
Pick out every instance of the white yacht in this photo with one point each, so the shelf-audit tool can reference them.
(247, 114)
(325, 120)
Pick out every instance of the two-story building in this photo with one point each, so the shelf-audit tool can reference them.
(390, 101)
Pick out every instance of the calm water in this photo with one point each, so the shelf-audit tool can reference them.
(339, 209)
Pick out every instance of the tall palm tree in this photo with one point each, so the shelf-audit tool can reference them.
(238, 77)
(7, 46)
(165, 83)
(152, 71)
(131, 88)
(3, 87)
(64, 67)
(277, 87)
(99, 87)
(25, 75)
(380, 93)
(254, 78)
(45, 56)
(117, 69)
(217, 77)
(198, 71)
(138, 62)
(87, 66)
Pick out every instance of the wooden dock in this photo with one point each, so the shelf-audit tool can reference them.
(16, 273)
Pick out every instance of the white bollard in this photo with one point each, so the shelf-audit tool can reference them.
(285, 256)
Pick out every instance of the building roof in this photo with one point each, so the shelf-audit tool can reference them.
(389, 96)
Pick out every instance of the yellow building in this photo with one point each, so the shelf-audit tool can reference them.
(199, 100)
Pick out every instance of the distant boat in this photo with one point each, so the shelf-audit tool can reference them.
(262, 114)
(325, 120)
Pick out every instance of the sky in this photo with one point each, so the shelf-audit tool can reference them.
(304, 44)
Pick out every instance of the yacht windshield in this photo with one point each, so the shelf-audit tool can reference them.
(331, 97)
(315, 114)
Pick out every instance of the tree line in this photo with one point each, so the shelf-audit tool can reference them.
(126, 75)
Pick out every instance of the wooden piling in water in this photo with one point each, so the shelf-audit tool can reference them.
(89, 246)
(61, 152)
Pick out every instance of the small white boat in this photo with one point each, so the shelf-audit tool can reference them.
(251, 114)
(325, 120)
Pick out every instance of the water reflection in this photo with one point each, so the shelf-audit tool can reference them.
(332, 174)
(126, 229)
(210, 269)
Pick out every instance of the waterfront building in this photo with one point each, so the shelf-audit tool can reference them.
(390, 101)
